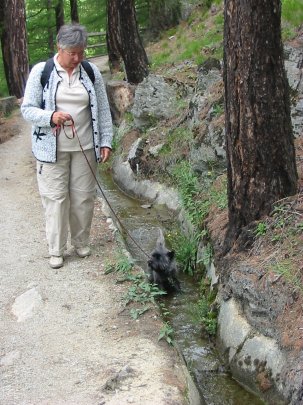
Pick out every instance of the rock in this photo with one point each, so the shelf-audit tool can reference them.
(202, 158)
(294, 71)
(145, 189)
(135, 154)
(154, 100)
(208, 74)
(25, 304)
(256, 361)
(154, 150)
(7, 104)
(121, 97)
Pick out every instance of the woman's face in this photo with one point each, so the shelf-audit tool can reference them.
(71, 57)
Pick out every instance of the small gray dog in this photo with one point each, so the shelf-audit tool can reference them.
(162, 267)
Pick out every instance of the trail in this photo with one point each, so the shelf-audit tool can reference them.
(65, 338)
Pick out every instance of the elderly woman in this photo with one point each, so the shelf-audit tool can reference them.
(72, 126)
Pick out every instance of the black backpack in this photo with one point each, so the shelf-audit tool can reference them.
(49, 65)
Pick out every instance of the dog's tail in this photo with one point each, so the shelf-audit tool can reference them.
(161, 240)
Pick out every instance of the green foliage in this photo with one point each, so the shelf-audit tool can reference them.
(180, 138)
(167, 333)
(261, 229)
(142, 292)
(289, 272)
(218, 195)
(204, 312)
(193, 40)
(292, 17)
(207, 255)
(188, 187)
(139, 291)
(210, 43)
(218, 109)
(135, 313)
(186, 248)
(122, 265)
(41, 25)
(282, 234)
(3, 86)
(196, 204)
(292, 12)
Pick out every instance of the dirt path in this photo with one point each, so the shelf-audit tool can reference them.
(64, 338)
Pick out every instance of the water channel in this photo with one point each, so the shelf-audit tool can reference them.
(214, 383)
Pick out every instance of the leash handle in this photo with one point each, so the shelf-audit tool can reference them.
(57, 129)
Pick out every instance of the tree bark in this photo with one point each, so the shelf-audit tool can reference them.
(130, 46)
(59, 12)
(113, 36)
(259, 139)
(51, 45)
(74, 11)
(14, 45)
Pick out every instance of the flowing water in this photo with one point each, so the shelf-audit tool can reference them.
(142, 222)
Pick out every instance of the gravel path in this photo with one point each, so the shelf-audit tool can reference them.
(64, 337)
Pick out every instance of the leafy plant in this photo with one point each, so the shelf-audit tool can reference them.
(218, 109)
(261, 229)
(122, 264)
(135, 313)
(204, 311)
(203, 314)
(167, 333)
(142, 292)
(186, 250)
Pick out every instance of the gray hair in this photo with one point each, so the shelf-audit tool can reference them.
(72, 36)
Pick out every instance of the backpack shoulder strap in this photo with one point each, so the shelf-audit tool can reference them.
(49, 65)
(89, 70)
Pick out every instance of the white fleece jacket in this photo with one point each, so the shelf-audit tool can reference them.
(44, 143)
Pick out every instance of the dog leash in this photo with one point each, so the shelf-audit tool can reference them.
(56, 131)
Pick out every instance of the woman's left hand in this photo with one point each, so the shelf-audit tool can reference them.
(105, 154)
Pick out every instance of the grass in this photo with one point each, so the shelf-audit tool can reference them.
(292, 12)
(290, 273)
(204, 312)
(281, 236)
(186, 248)
(192, 40)
(201, 35)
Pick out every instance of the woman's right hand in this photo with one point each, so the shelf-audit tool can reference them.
(60, 117)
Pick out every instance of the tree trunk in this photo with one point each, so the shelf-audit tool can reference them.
(51, 45)
(74, 11)
(131, 48)
(59, 12)
(14, 45)
(113, 36)
(259, 138)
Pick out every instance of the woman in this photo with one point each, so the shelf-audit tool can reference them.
(65, 180)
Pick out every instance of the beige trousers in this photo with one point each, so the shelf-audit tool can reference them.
(67, 190)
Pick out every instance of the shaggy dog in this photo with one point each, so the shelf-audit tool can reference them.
(162, 267)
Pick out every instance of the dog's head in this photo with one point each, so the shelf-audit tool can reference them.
(161, 261)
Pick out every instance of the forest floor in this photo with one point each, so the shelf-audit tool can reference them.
(65, 337)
